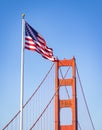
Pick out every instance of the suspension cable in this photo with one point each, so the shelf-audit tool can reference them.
(39, 85)
(29, 98)
(79, 125)
(85, 99)
(43, 110)
(11, 120)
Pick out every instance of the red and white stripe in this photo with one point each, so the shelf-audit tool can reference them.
(40, 47)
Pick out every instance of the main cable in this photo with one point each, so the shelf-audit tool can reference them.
(85, 98)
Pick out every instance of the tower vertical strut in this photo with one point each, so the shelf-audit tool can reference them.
(65, 103)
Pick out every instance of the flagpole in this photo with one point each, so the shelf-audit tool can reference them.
(22, 73)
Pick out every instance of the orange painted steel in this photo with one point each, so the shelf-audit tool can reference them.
(66, 103)
(57, 118)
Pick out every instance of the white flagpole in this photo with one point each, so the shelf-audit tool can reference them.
(22, 73)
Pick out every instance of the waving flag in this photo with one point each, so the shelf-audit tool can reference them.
(34, 41)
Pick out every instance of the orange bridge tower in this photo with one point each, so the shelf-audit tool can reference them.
(65, 103)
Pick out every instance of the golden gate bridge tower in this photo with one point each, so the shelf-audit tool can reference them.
(65, 103)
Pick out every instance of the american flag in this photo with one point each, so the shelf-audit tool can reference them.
(34, 41)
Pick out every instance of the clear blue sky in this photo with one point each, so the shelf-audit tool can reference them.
(71, 28)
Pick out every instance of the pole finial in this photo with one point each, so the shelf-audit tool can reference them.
(23, 15)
